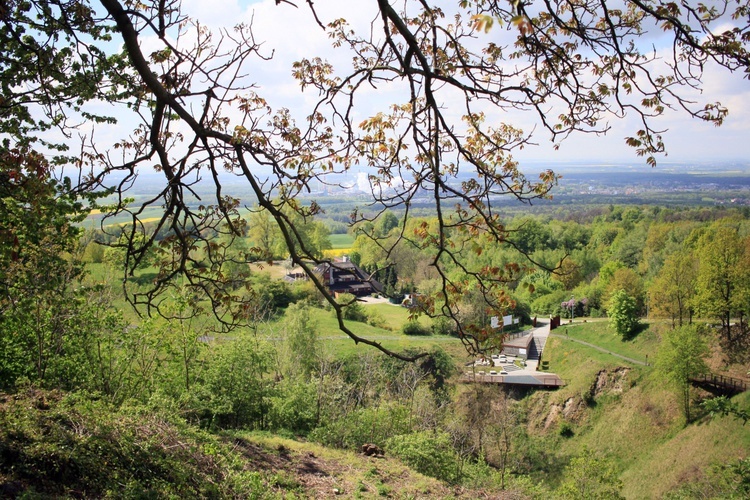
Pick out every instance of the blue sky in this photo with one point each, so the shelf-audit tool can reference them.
(291, 34)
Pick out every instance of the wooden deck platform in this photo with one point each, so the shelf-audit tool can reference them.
(719, 384)
(540, 379)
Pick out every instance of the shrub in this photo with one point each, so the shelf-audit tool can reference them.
(550, 304)
(623, 314)
(565, 430)
(366, 425)
(374, 318)
(589, 476)
(294, 407)
(415, 328)
(354, 310)
(443, 326)
(428, 452)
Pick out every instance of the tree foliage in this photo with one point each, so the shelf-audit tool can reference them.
(673, 289)
(622, 310)
(681, 356)
(589, 476)
(427, 452)
(39, 298)
(722, 281)
(191, 91)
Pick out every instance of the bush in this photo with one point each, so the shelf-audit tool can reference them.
(57, 445)
(443, 326)
(589, 476)
(565, 430)
(415, 328)
(294, 407)
(623, 314)
(366, 425)
(354, 310)
(596, 313)
(428, 452)
(374, 318)
(550, 304)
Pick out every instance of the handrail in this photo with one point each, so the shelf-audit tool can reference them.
(721, 380)
(511, 336)
(488, 378)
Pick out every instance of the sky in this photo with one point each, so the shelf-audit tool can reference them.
(291, 34)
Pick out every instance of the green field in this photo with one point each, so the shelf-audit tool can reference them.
(339, 344)
(341, 241)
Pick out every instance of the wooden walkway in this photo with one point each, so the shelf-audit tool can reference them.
(539, 379)
(719, 384)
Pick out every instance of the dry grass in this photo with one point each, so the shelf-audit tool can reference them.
(667, 464)
(325, 473)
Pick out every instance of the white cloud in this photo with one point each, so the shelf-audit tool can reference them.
(292, 34)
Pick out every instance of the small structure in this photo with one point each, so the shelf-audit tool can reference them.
(518, 345)
(546, 380)
(719, 385)
(344, 276)
(412, 301)
(554, 322)
(292, 277)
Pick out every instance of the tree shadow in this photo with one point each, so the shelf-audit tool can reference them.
(640, 328)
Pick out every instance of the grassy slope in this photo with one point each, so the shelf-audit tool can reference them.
(390, 337)
(320, 471)
(600, 334)
(57, 445)
(687, 455)
(641, 428)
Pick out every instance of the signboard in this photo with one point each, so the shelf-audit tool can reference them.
(507, 320)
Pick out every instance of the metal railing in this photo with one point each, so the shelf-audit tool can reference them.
(721, 381)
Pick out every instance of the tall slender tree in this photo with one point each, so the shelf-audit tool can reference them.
(681, 355)
(721, 282)
(673, 290)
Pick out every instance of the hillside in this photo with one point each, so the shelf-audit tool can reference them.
(630, 414)
(54, 443)
(61, 445)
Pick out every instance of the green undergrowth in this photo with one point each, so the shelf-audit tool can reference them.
(59, 445)
(68, 445)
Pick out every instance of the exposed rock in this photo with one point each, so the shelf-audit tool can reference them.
(554, 412)
(573, 408)
(613, 382)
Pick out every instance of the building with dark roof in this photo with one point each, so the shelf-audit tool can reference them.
(344, 276)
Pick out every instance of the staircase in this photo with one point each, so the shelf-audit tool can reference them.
(536, 348)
